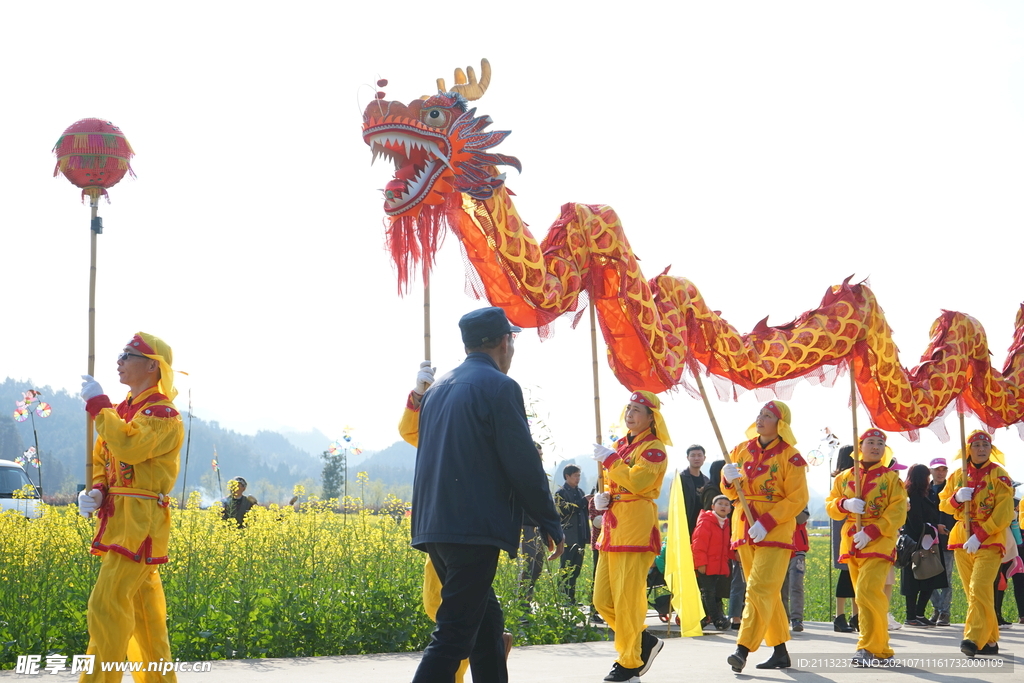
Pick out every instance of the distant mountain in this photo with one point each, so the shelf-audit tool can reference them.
(394, 465)
(316, 442)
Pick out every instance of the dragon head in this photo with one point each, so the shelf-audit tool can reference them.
(437, 144)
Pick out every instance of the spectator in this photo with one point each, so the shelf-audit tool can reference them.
(572, 507)
(711, 555)
(1005, 569)
(714, 486)
(474, 454)
(793, 586)
(533, 549)
(694, 482)
(922, 526)
(942, 598)
(236, 504)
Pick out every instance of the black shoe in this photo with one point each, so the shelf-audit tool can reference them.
(737, 660)
(722, 624)
(735, 626)
(620, 674)
(855, 622)
(778, 660)
(968, 648)
(796, 625)
(650, 646)
(942, 619)
(992, 649)
(840, 625)
(596, 618)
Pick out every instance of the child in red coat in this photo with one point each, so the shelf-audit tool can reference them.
(711, 555)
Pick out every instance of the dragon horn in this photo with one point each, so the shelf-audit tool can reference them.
(469, 87)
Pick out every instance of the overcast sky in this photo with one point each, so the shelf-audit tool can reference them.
(764, 150)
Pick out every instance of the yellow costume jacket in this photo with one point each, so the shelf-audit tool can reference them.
(775, 486)
(991, 506)
(135, 463)
(409, 425)
(634, 472)
(885, 510)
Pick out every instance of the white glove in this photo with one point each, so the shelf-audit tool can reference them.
(861, 539)
(90, 388)
(757, 532)
(854, 505)
(601, 452)
(602, 501)
(424, 378)
(731, 472)
(597, 521)
(964, 494)
(89, 501)
(972, 544)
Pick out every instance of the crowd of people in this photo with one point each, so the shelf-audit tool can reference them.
(480, 489)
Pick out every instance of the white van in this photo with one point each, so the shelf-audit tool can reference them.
(12, 478)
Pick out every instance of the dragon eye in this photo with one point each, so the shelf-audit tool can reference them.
(435, 117)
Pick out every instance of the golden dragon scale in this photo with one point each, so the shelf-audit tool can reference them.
(447, 177)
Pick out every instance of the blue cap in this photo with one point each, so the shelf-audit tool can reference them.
(483, 325)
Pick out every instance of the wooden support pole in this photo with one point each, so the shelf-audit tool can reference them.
(721, 443)
(856, 442)
(597, 393)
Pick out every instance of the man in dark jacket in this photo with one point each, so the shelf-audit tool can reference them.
(694, 482)
(942, 598)
(572, 506)
(476, 472)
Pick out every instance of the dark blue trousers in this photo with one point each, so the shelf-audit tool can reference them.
(469, 620)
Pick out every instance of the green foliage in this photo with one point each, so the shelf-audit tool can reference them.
(333, 474)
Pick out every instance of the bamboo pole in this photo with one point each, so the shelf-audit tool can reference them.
(94, 204)
(964, 477)
(426, 322)
(856, 442)
(721, 442)
(597, 393)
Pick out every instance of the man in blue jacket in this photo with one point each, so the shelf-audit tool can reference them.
(476, 472)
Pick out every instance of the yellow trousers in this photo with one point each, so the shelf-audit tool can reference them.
(868, 576)
(431, 601)
(764, 616)
(978, 573)
(620, 596)
(128, 617)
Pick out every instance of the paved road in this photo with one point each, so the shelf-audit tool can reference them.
(682, 659)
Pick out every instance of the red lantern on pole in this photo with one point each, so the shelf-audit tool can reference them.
(94, 155)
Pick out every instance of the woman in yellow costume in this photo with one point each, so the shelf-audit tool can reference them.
(869, 551)
(630, 538)
(134, 465)
(773, 478)
(988, 490)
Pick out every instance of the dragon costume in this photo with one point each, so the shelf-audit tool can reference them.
(447, 177)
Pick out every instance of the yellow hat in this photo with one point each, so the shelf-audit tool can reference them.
(649, 400)
(980, 435)
(781, 411)
(156, 348)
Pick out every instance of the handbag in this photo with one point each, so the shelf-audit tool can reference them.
(926, 563)
(905, 547)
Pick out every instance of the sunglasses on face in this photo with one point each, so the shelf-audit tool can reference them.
(125, 356)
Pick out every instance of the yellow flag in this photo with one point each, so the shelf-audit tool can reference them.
(679, 573)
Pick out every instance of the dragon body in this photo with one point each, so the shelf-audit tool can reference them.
(446, 177)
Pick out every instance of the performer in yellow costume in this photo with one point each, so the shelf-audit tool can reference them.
(869, 552)
(630, 538)
(979, 551)
(773, 477)
(135, 463)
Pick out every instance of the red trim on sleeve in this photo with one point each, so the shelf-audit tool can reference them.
(873, 531)
(159, 411)
(97, 403)
(412, 406)
(654, 455)
(767, 521)
(611, 460)
(798, 460)
(979, 532)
